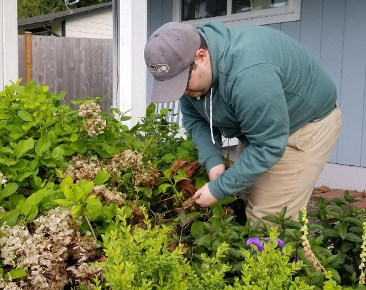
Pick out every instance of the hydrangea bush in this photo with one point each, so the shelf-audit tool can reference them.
(88, 203)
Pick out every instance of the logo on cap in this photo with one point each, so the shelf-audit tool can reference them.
(158, 68)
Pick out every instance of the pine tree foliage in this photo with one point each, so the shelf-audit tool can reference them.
(30, 8)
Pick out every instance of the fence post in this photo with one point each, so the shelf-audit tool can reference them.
(28, 56)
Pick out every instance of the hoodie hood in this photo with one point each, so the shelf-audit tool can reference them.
(216, 36)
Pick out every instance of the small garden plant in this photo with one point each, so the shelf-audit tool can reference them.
(88, 203)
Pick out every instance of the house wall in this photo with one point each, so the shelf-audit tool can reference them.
(334, 32)
(8, 42)
(92, 25)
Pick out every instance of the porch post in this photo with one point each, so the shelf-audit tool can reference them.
(8, 42)
(129, 72)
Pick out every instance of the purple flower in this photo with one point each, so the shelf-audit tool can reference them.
(296, 259)
(279, 242)
(259, 244)
(256, 242)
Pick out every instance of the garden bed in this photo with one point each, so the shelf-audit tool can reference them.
(88, 203)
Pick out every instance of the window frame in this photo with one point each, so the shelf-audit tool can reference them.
(291, 12)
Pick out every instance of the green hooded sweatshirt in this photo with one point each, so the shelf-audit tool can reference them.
(265, 87)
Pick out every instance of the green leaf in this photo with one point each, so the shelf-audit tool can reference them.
(57, 153)
(272, 219)
(335, 275)
(21, 177)
(64, 202)
(93, 207)
(167, 158)
(37, 182)
(292, 224)
(197, 229)
(150, 109)
(25, 116)
(312, 227)
(31, 213)
(357, 230)
(353, 238)
(356, 221)
(145, 190)
(164, 111)
(42, 145)
(74, 137)
(203, 241)
(14, 128)
(79, 193)
(86, 185)
(331, 233)
(66, 182)
(8, 190)
(188, 145)
(77, 210)
(218, 211)
(10, 217)
(282, 213)
(61, 95)
(101, 177)
(332, 261)
(17, 273)
(35, 199)
(5, 116)
(343, 230)
(163, 187)
(68, 193)
(23, 147)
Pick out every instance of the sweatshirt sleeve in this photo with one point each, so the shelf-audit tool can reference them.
(198, 128)
(257, 96)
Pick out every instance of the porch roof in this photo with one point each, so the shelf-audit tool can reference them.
(61, 15)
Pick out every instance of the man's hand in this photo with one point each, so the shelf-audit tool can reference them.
(204, 197)
(216, 171)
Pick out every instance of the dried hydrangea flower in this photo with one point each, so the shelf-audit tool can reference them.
(43, 250)
(2, 178)
(94, 124)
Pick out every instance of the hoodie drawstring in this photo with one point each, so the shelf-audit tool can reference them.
(210, 116)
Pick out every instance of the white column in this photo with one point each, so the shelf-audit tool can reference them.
(8, 42)
(130, 34)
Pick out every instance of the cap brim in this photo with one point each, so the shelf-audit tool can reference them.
(170, 90)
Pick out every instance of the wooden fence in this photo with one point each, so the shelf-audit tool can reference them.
(80, 66)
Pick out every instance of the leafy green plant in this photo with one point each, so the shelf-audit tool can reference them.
(140, 258)
(134, 187)
(338, 244)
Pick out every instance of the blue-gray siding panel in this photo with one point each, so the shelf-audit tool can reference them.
(311, 23)
(331, 50)
(352, 84)
(292, 29)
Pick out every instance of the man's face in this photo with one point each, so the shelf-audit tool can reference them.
(201, 77)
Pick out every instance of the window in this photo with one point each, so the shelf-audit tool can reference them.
(256, 12)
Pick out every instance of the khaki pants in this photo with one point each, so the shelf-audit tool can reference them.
(291, 180)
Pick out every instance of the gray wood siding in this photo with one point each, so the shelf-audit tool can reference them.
(334, 31)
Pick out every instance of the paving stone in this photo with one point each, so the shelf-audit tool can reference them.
(360, 204)
(339, 193)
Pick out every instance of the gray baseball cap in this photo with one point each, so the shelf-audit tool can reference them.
(169, 53)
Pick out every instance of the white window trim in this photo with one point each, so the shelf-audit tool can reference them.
(291, 12)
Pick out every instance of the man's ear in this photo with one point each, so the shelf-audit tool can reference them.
(201, 55)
